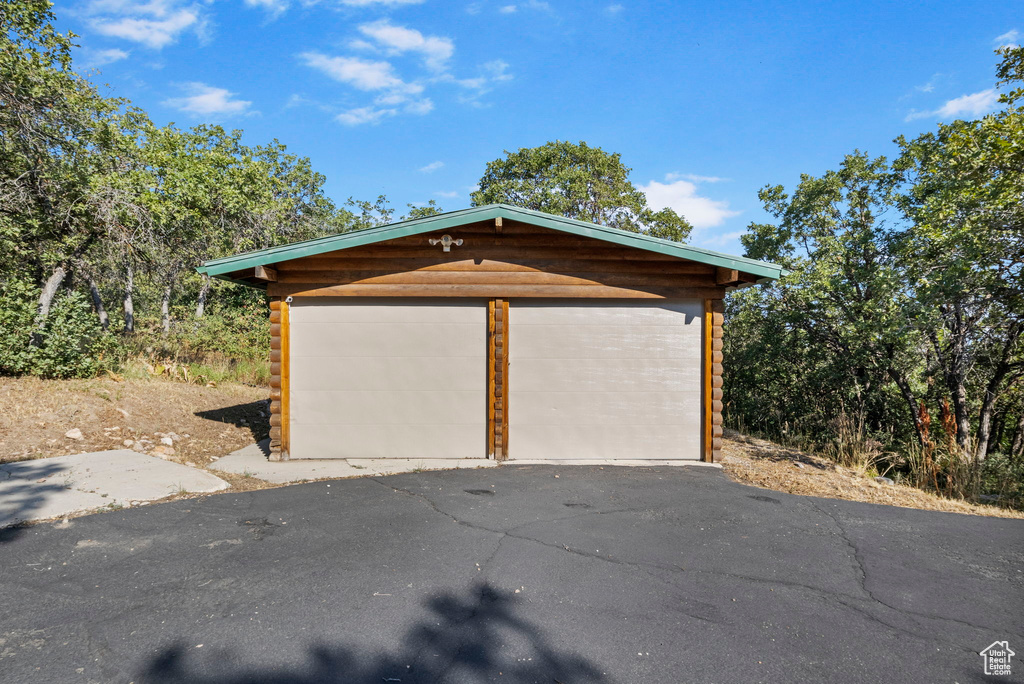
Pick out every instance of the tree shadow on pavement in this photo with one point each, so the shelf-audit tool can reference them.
(22, 493)
(468, 638)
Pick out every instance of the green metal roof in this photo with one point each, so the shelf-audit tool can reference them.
(219, 268)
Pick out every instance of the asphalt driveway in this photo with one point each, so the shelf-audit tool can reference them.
(512, 574)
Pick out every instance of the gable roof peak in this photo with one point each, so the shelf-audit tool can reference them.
(452, 219)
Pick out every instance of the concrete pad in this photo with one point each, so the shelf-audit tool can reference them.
(50, 487)
(252, 460)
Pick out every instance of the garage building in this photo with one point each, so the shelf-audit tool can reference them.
(495, 332)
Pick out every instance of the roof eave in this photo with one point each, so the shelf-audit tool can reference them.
(220, 268)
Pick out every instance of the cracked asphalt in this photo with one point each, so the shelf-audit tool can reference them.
(512, 574)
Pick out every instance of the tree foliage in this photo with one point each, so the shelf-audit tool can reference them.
(579, 182)
(905, 300)
(100, 207)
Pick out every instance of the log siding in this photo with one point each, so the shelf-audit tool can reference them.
(519, 261)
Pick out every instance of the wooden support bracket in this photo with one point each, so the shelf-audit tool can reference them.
(265, 273)
(727, 276)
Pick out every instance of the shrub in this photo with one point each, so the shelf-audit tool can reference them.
(1003, 476)
(17, 310)
(70, 344)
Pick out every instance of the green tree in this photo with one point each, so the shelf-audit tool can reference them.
(579, 182)
(964, 253)
(834, 331)
(58, 140)
(423, 211)
(907, 283)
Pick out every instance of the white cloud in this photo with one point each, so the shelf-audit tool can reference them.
(681, 196)
(374, 115)
(614, 9)
(393, 94)
(205, 100)
(371, 76)
(491, 72)
(930, 85)
(974, 105)
(360, 73)
(1008, 39)
(153, 23)
(272, 6)
(154, 33)
(278, 6)
(360, 44)
(390, 99)
(936, 81)
(447, 195)
(363, 115)
(695, 178)
(528, 5)
(98, 58)
(722, 239)
(420, 107)
(497, 70)
(298, 100)
(431, 167)
(397, 40)
(385, 3)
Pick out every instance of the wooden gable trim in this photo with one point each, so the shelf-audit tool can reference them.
(511, 260)
(234, 267)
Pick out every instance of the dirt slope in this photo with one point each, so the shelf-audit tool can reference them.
(764, 464)
(203, 422)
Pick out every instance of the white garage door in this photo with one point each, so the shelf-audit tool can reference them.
(388, 378)
(605, 381)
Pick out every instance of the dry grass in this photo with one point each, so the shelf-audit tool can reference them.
(764, 464)
(209, 421)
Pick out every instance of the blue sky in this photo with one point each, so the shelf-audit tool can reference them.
(707, 102)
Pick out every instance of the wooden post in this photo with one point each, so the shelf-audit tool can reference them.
(497, 379)
(491, 364)
(279, 398)
(286, 334)
(275, 379)
(714, 317)
(504, 379)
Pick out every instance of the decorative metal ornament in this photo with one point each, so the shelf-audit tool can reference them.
(446, 242)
